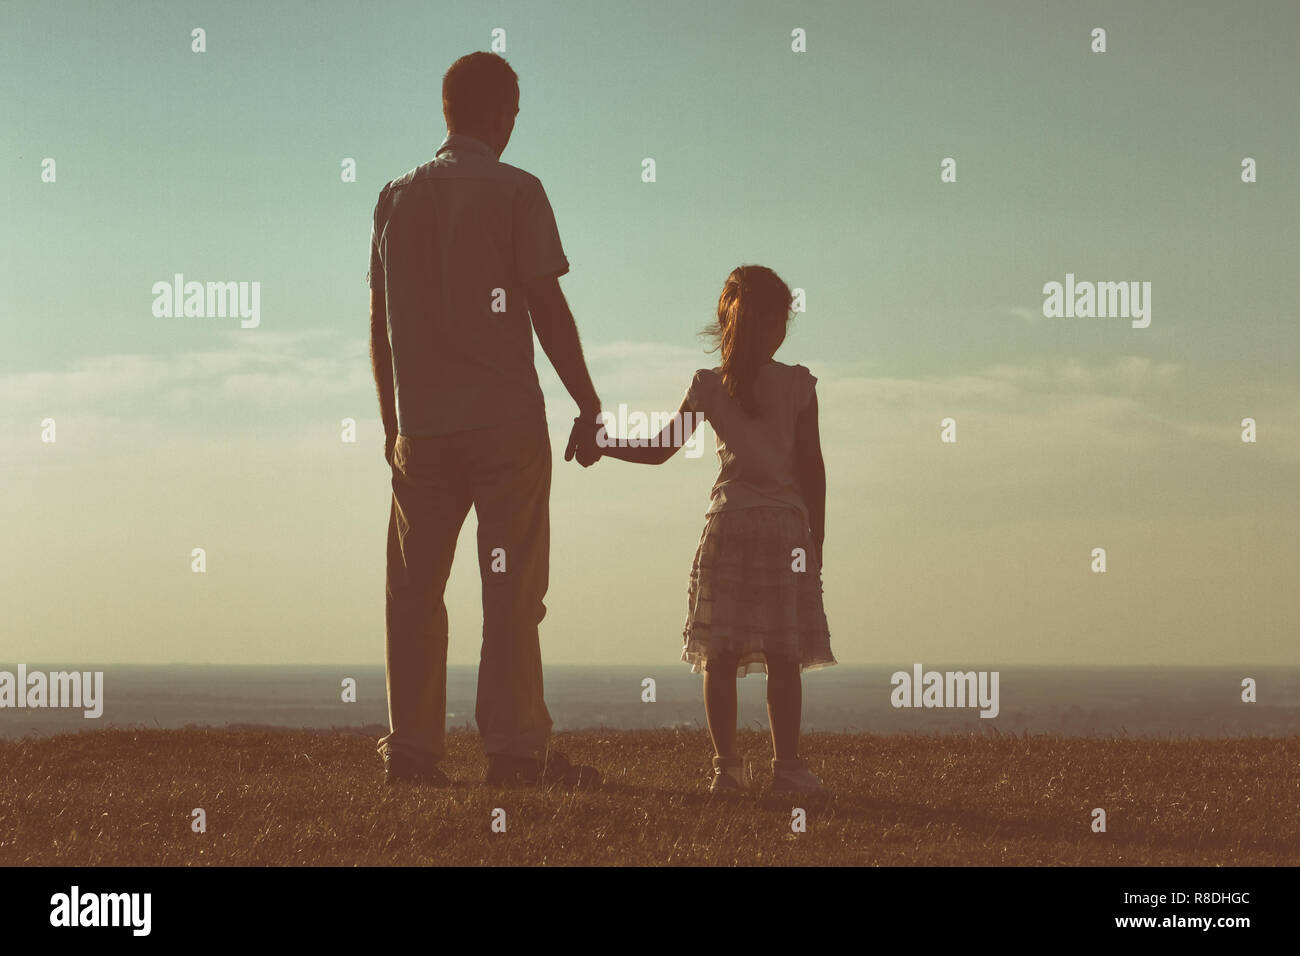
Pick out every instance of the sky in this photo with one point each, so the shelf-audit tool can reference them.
(924, 302)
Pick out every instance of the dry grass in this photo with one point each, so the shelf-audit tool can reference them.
(312, 798)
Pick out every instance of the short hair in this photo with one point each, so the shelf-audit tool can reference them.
(476, 89)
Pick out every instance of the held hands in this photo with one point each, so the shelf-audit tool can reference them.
(582, 440)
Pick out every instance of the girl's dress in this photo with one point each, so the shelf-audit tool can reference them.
(755, 588)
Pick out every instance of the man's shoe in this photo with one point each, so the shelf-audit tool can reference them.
(505, 770)
(402, 769)
(559, 770)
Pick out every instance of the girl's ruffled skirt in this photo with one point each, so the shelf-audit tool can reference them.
(747, 597)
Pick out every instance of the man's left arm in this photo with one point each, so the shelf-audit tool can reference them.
(381, 360)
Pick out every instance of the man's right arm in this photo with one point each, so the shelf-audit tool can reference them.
(558, 334)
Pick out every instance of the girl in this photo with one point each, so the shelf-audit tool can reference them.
(755, 596)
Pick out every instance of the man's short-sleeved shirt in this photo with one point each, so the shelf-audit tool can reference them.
(455, 243)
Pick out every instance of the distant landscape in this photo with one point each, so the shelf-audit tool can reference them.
(1156, 702)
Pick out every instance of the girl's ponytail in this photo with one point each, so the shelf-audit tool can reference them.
(753, 311)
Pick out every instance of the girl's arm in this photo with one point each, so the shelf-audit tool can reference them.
(675, 434)
(810, 471)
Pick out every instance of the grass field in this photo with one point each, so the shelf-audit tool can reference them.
(307, 797)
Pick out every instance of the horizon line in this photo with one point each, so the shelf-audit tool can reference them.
(841, 666)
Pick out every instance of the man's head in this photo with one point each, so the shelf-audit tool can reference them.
(480, 97)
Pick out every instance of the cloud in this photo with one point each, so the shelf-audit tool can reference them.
(259, 382)
(1130, 372)
(1049, 423)
(259, 366)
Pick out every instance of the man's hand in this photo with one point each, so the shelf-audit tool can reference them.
(582, 440)
(390, 442)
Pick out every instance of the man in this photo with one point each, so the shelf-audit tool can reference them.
(464, 250)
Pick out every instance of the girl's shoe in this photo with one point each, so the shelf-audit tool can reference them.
(728, 775)
(793, 776)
